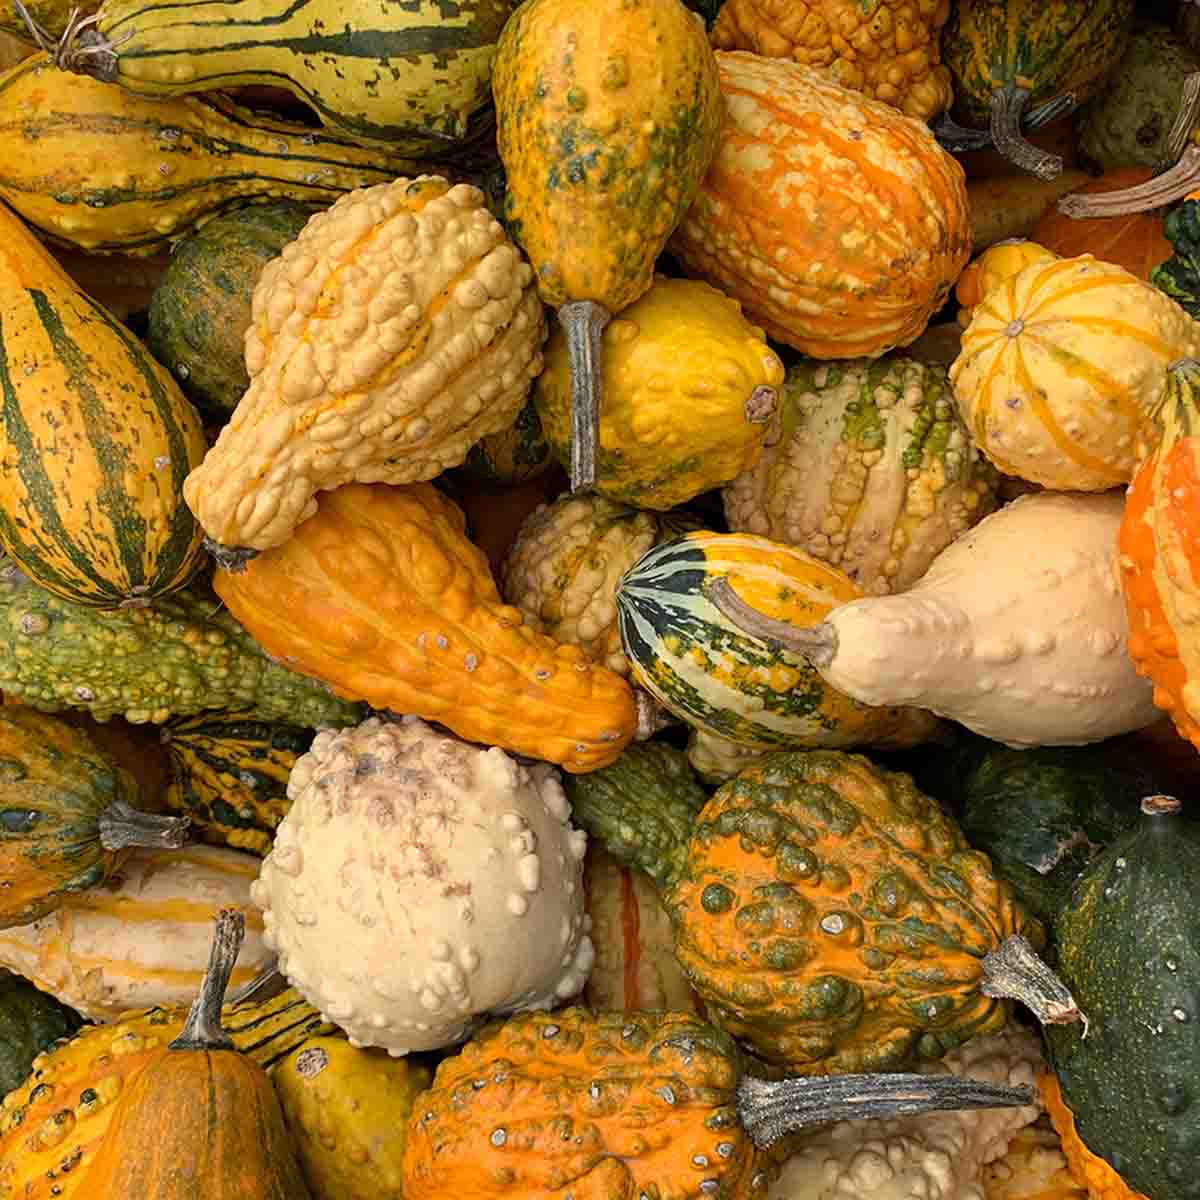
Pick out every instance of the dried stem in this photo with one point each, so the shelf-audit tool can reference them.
(1163, 189)
(122, 825)
(818, 644)
(651, 716)
(583, 321)
(1008, 103)
(266, 985)
(770, 1110)
(203, 1029)
(1013, 971)
(957, 139)
(230, 558)
(1186, 119)
(760, 408)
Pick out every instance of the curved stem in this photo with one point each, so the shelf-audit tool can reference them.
(1050, 111)
(203, 1029)
(1166, 188)
(1186, 119)
(122, 825)
(1008, 103)
(583, 321)
(818, 644)
(230, 558)
(266, 985)
(770, 1110)
(1013, 971)
(957, 139)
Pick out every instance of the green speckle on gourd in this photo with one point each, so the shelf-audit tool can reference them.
(717, 898)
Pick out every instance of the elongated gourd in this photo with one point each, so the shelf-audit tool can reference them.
(91, 165)
(1017, 631)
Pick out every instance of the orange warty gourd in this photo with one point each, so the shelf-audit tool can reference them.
(839, 223)
(381, 595)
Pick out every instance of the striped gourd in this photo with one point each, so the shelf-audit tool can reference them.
(91, 165)
(52, 1125)
(96, 440)
(416, 75)
(50, 15)
(144, 936)
(229, 774)
(705, 670)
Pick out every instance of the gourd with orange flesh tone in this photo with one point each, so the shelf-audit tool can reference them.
(999, 262)
(381, 596)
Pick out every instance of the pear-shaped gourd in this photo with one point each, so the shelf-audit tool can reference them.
(607, 115)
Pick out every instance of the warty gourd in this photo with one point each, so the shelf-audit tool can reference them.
(1016, 631)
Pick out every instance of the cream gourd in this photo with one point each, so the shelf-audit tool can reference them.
(449, 868)
(1016, 631)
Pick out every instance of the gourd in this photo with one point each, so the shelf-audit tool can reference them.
(50, 15)
(426, 335)
(662, 1102)
(1008, 206)
(413, 77)
(52, 1125)
(717, 760)
(1017, 631)
(1033, 1168)
(1061, 368)
(607, 116)
(200, 312)
(412, 621)
(68, 815)
(30, 1022)
(96, 442)
(141, 938)
(689, 388)
(200, 1119)
(1179, 275)
(346, 1111)
(789, 894)
(893, 233)
(700, 666)
(180, 655)
(890, 52)
(452, 870)
(1006, 59)
(513, 455)
(868, 467)
(1127, 947)
(229, 774)
(1157, 555)
(90, 165)
(996, 265)
(934, 1154)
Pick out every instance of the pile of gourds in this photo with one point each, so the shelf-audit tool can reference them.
(599, 599)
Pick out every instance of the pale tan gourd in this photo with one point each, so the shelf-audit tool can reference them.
(1017, 630)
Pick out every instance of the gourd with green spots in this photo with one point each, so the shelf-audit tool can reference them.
(30, 1022)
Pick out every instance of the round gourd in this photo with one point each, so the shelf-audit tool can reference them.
(892, 235)
(200, 312)
(998, 262)
(30, 1022)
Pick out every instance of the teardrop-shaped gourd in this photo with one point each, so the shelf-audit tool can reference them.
(200, 1121)
(68, 814)
(607, 115)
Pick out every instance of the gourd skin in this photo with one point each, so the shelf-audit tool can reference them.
(689, 385)
(1027, 651)
(603, 150)
(1179, 276)
(868, 467)
(890, 51)
(84, 162)
(51, 15)
(839, 224)
(997, 264)
(412, 622)
(1061, 368)
(1033, 1168)
(651, 1097)
(399, 328)
(142, 937)
(30, 1022)
(96, 442)
(475, 853)
(513, 455)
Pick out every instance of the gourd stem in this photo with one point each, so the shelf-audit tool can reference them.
(1163, 189)
(203, 1030)
(266, 985)
(1050, 111)
(1013, 971)
(122, 825)
(583, 321)
(818, 644)
(760, 408)
(1008, 103)
(1186, 119)
(957, 139)
(651, 716)
(230, 558)
(770, 1110)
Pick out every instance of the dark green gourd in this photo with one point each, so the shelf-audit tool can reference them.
(30, 1022)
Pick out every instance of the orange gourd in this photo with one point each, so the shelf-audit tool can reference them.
(998, 262)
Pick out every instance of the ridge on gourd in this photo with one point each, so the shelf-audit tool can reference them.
(451, 869)
(394, 332)
(181, 654)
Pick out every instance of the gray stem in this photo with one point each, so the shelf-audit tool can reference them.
(583, 321)
(122, 825)
(1163, 189)
(1013, 971)
(1008, 103)
(770, 1110)
(230, 558)
(1186, 119)
(203, 1029)
(1050, 111)
(266, 985)
(818, 644)
(957, 139)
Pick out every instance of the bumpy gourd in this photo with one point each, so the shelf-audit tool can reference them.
(30, 1022)
(449, 868)
(1033, 1167)
(142, 937)
(689, 388)
(998, 263)
(868, 467)
(1017, 631)
(891, 51)
(1062, 367)
(839, 224)
(1179, 275)
(399, 328)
